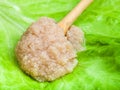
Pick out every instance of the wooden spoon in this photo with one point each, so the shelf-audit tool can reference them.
(67, 21)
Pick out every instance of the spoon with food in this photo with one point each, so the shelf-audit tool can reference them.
(47, 50)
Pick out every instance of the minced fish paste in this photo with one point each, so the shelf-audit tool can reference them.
(45, 53)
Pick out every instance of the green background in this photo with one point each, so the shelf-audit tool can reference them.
(99, 65)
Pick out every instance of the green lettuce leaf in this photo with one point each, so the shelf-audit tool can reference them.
(99, 65)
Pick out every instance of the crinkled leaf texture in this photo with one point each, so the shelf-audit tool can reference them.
(99, 65)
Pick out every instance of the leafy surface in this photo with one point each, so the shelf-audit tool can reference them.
(99, 65)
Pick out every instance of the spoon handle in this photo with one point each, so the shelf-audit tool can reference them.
(67, 21)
